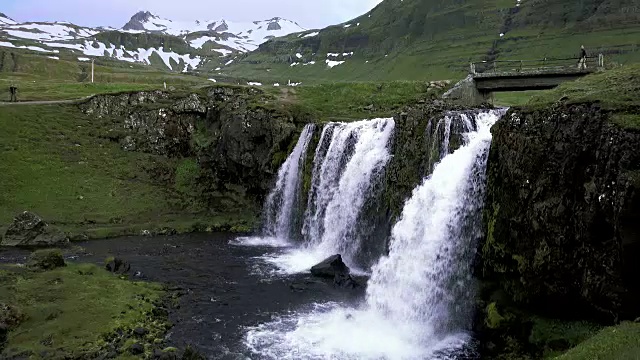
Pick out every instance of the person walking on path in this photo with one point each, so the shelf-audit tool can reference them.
(14, 93)
(582, 64)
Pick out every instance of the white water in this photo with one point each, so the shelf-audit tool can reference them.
(417, 298)
(341, 183)
(347, 158)
(284, 197)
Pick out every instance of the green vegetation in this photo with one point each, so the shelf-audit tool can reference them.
(615, 89)
(628, 121)
(493, 319)
(620, 342)
(515, 98)
(75, 311)
(352, 101)
(433, 40)
(41, 78)
(361, 100)
(553, 337)
(63, 165)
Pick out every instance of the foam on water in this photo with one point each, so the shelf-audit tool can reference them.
(417, 304)
(347, 157)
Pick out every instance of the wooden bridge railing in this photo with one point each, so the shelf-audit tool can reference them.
(542, 65)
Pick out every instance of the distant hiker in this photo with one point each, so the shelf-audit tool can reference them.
(14, 93)
(165, 85)
(582, 64)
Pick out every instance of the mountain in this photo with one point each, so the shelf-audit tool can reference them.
(5, 20)
(147, 39)
(242, 37)
(437, 39)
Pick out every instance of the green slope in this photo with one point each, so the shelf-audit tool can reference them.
(420, 39)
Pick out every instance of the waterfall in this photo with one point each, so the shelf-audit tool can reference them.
(433, 244)
(285, 196)
(419, 297)
(348, 157)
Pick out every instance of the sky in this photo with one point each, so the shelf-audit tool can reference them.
(308, 13)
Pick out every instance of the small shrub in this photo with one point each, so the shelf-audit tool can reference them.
(187, 174)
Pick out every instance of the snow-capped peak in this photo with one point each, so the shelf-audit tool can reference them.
(240, 36)
(5, 20)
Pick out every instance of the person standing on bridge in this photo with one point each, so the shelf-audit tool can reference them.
(582, 64)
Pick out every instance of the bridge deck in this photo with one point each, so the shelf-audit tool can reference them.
(519, 75)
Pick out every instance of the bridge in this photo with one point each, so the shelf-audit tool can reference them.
(488, 77)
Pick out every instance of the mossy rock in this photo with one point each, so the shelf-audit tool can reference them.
(494, 319)
(48, 259)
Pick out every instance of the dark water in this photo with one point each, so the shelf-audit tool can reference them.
(223, 287)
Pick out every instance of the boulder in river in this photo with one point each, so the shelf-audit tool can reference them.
(117, 266)
(29, 230)
(330, 267)
(334, 268)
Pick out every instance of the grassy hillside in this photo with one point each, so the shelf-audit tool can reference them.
(39, 77)
(419, 39)
(61, 164)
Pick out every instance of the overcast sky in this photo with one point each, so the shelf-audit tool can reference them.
(308, 13)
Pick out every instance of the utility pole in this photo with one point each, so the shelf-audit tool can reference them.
(92, 60)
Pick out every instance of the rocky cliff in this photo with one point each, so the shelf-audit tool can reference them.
(562, 213)
(225, 142)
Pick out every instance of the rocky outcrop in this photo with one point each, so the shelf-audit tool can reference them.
(29, 230)
(233, 134)
(562, 213)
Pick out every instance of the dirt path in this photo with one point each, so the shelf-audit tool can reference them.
(51, 102)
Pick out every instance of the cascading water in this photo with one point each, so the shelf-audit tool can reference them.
(285, 196)
(341, 180)
(418, 298)
(347, 158)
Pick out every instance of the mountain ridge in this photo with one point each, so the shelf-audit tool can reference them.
(147, 39)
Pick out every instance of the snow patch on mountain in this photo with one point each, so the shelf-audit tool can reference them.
(4, 19)
(241, 36)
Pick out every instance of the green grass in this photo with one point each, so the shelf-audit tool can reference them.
(615, 89)
(349, 101)
(40, 78)
(514, 98)
(70, 312)
(620, 342)
(59, 163)
(627, 121)
(554, 337)
(418, 40)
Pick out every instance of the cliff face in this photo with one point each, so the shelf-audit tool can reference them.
(563, 213)
(236, 142)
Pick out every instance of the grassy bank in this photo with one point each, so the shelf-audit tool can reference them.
(75, 312)
(615, 89)
(62, 165)
(620, 342)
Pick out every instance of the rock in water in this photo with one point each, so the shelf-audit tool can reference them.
(117, 266)
(28, 229)
(345, 281)
(330, 267)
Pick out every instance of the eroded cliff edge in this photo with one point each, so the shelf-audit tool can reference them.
(562, 218)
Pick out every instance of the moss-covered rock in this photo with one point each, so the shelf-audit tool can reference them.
(562, 212)
(48, 259)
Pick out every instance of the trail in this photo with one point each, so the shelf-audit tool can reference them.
(49, 102)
